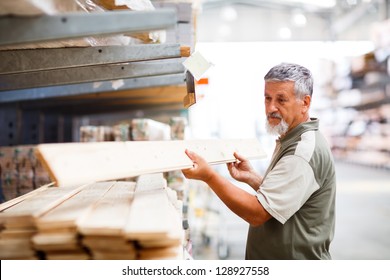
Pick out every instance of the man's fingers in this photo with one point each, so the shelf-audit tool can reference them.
(239, 157)
(190, 154)
(194, 157)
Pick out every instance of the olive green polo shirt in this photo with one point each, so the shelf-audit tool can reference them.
(298, 191)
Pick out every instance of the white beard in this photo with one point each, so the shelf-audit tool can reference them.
(279, 129)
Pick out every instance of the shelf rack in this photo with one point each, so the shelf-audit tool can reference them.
(40, 28)
(43, 88)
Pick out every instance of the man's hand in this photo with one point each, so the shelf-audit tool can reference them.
(201, 169)
(242, 171)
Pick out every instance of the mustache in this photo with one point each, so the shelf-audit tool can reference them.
(274, 115)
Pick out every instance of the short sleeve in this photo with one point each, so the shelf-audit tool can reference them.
(287, 187)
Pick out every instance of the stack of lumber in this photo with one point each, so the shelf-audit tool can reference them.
(108, 219)
(154, 220)
(102, 227)
(20, 172)
(105, 220)
(58, 235)
(17, 219)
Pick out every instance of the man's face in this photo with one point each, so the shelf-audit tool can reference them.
(283, 110)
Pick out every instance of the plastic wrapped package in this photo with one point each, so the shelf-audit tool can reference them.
(178, 128)
(53, 7)
(91, 133)
(135, 5)
(20, 172)
(149, 130)
(121, 132)
(37, 7)
(91, 6)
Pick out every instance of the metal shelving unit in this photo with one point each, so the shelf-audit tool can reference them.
(39, 88)
(79, 24)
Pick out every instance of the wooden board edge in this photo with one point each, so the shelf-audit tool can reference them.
(21, 198)
(47, 167)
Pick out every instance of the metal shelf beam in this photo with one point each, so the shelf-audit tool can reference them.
(17, 29)
(88, 88)
(16, 61)
(89, 74)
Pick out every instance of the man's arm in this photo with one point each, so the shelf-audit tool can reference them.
(242, 203)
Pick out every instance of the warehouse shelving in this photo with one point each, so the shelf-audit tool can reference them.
(79, 24)
(44, 92)
(44, 87)
(365, 136)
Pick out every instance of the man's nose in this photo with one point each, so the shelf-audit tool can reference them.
(271, 107)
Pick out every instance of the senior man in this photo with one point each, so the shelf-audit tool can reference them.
(292, 215)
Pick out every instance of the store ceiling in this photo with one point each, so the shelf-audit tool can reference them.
(297, 20)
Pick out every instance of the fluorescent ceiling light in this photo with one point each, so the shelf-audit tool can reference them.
(229, 13)
(299, 19)
(317, 3)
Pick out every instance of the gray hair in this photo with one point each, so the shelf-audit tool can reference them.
(301, 76)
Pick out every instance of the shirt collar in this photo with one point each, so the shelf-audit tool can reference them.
(297, 131)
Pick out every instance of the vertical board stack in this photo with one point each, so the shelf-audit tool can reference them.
(20, 172)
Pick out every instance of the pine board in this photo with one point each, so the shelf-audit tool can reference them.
(79, 163)
(16, 249)
(68, 212)
(104, 255)
(19, 199)
(43, 239)
(152, 216)
(108, 244)
(108, 216)
(161, 253)
(17, 233)
(158, 243)
(68, 255)
(23, 214)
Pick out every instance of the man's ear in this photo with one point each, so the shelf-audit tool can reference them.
(306, 103)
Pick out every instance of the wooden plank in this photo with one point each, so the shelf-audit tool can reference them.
(151, 182)
(152, 216)
(23, 214)
(160, 243)
(108, 243)
(17, 234)
(107, 255)
(67, 213)
(68, 255)
(108, 216)
(19, 199)
(176, 90)
(161, 253)
(16, 249)
(53, 241)
(80, 163)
